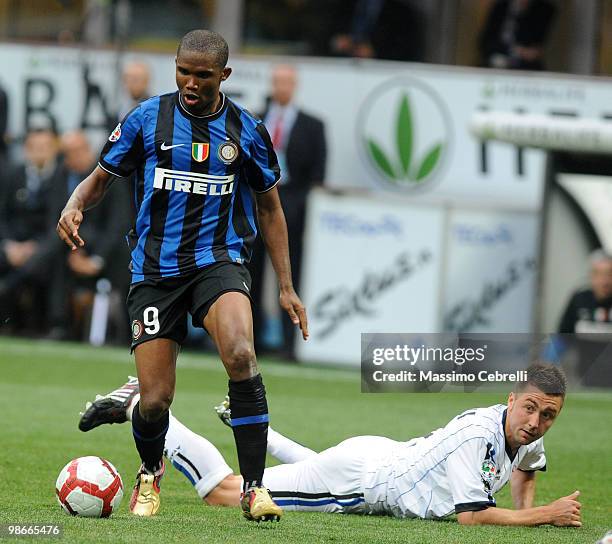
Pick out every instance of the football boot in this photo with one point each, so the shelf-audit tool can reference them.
(257, 505)
(110, 408)
(145, 499)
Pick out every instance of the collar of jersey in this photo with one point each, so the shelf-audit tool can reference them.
(209, 116)
(509, 453)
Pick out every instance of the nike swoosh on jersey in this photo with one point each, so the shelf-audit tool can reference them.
(165, 147)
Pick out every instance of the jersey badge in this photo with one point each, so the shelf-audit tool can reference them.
(115, 134)
(228, 152)
(137, 329)
(488, 470)
(199, 151)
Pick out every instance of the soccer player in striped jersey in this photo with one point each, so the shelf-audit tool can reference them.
(454, 470)
(199, 158)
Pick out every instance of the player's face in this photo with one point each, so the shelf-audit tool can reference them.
(530, 414)
(198, 78)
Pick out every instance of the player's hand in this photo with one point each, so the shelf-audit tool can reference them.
(68, 228)
(292, 304)
(565, 512)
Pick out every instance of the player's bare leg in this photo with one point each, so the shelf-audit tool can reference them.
(156, 368)
(227, 493)
(229, 322)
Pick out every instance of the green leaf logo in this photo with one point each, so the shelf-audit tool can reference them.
(404, 135)
(405, 167)
(381, 159)
(429, 162)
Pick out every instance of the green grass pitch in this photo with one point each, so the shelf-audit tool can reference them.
(44, 385)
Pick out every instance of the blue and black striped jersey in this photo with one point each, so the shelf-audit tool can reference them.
(193, 183)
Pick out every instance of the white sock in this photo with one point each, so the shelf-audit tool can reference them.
(130, 408)
(195, 457)
(286, 450)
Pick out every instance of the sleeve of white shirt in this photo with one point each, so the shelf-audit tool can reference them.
(535, 458)
(464, 468)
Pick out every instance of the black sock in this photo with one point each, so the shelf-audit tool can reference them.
(150, 437)
(250, 425)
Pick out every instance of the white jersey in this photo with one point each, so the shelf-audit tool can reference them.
(454, 469)
(457, 468)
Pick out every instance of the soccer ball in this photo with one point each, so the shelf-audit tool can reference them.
(90, 487)
(606, 539)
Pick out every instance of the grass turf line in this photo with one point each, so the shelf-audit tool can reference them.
(44, 385)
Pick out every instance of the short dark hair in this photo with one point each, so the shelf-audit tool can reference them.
(205, 41)
(549, 379)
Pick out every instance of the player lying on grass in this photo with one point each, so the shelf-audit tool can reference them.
(455, 469)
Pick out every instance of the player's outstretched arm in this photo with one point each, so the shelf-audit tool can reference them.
(274, 232)
(564, 512)
(86, 195)
(522, 487)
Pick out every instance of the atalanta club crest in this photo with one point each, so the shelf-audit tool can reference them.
(228, 152)
(489, 470)
(488, 473)
(137, 329)
(115, 134)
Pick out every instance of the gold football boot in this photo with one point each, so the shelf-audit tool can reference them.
(257, 505)
(145, 497)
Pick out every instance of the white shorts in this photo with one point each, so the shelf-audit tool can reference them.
(330, 481)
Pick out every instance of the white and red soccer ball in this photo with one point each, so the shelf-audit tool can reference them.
(90, 487)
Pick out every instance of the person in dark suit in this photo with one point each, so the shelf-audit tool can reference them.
(586, 325)
(514, 34)
(106, 254)
(299, 142)
(590, 310)
(28, 252)
(382, 29)
(107, 225)
(136, 79)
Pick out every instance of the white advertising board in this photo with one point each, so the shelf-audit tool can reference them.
(490, 272)
(370, 265)
(390, 126)
(594, 195)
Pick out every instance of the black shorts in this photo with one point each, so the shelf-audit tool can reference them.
(158, 308)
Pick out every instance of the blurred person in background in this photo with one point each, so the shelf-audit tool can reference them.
(28, 249)
(104, 231)
(585, 328)
(590, 310)
(382, 29)
(515, 33)
(357, 41)
(299, 141)
(136, 80)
